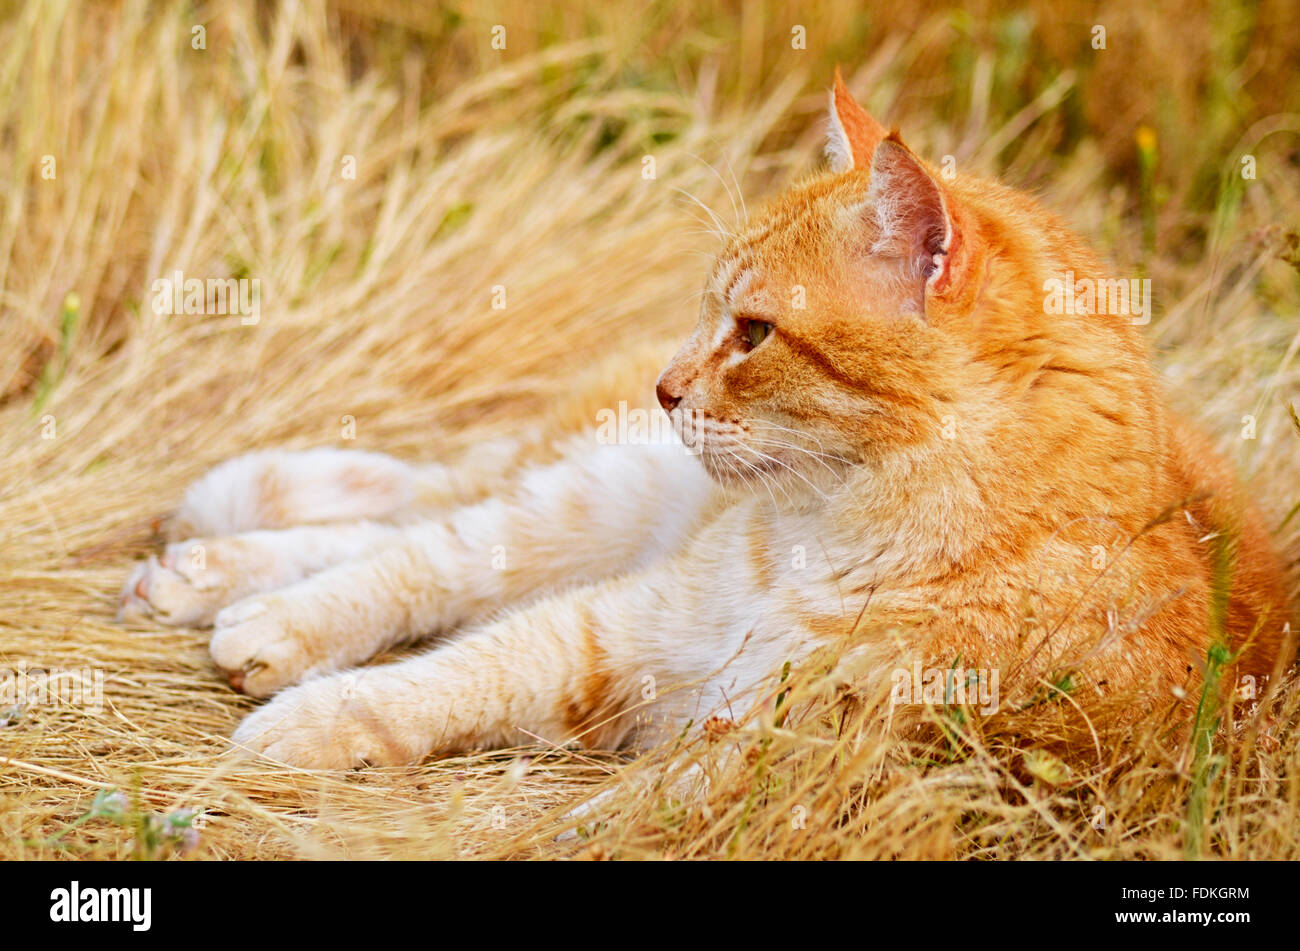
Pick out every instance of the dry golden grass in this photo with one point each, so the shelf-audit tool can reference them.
(477, 167)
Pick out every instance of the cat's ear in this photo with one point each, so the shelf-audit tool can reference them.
(917, 220)
(853, 135)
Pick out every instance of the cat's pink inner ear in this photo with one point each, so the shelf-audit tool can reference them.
(914, 214)
(853, 134)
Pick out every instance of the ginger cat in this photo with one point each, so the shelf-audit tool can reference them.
(896, 443)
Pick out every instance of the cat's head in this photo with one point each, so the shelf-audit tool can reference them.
(831, 329)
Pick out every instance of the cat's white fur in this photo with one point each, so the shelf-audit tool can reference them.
(686, 631)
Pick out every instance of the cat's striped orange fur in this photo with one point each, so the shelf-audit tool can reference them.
(899, 451)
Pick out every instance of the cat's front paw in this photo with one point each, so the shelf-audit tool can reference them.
(260, 647)
(329, 723)
(180, 589)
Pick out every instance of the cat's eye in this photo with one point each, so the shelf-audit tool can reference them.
(755, 331)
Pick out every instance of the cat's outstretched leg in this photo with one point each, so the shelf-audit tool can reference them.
(599, 512)
(267, 519)
(569, 667)
(195, 578)
(281, 488)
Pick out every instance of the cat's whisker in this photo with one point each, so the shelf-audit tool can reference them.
(721, 226)
(765, 457)
(803, 434)
(837, 476)
(740, 192)
(696, 295)
(751, 474)
(709, 231)
(726, 455)
(816, 455)
(748, 475)
(735, 210)
(764, 479)
(711, 225)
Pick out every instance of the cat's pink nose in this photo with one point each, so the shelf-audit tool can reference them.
(666, 399)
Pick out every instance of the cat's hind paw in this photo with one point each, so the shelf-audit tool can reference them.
(169, 590)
